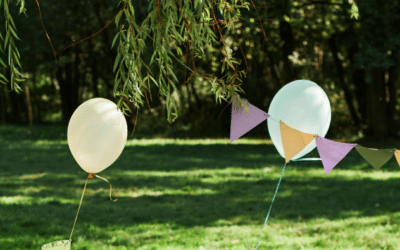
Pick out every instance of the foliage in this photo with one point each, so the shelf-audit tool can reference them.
(172, 26)
(174, 23)
(13, 54)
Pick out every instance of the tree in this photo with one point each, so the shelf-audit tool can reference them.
(172, 26)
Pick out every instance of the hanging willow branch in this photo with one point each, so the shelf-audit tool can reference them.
(163, 26)
(9, 47)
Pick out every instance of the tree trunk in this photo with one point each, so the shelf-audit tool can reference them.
(287, 49)
(347, 94)
(77, 80)
(3, 110)
(376, 106)
(36, 99)
(65, 90)
(112, 54)
(393, 84)
(270, 58)
(3, 100)
(29, 106)
(95, 83)
(189, 97)
(360, 87)
(15, 101)
(196, 97)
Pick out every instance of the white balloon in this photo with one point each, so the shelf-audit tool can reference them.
(302, 105)
(97, 133)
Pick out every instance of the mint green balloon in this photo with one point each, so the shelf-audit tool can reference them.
(302, 105)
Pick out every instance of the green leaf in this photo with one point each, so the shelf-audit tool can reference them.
(119, 103)
(114, 40)
(116, 61)
(123, 34)
(12, 22)
(22, 7)
(117, 18)
(116, 84)
(123, 75)
(16, 59)
(172, 73)
(178, 51)
(7, 38)
(2, 63)
(128, 16)
(3, 77)
(155, 82)
(152, 57)
(354, 11)
(126, 106)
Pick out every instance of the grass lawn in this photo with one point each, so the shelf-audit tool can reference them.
(192, 194)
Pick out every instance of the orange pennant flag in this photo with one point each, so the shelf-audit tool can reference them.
(293, 140)
(397, 155)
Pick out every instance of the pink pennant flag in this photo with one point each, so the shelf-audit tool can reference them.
(332, 152)
(241, 123)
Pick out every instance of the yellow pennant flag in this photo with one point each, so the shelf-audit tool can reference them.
(293, 140)
(397, 155)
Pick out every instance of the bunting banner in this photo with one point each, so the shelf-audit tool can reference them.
(241, 123)
(294, 141)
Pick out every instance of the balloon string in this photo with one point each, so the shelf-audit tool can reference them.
(108, 183)
(78, 209)
(276, 191)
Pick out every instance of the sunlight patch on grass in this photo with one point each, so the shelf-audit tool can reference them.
(360, 174)
(149, 142)
(28, 200)
(32, 176)
(166, 191)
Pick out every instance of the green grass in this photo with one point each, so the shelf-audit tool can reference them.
(192, 194)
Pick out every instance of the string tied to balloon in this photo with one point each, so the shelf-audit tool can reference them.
(276, 191)
(90, 176)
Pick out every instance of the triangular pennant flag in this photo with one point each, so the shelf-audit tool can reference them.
(397, 155)
(293, 140)
(332, 152)
(241, 123)
(376, 157)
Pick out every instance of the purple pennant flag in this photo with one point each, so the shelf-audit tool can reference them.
(332, 152)
(241, 123)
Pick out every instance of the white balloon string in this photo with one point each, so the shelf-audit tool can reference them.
(108, 183)
(78, 209)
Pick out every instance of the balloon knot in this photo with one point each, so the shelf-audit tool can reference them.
(90, 176)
